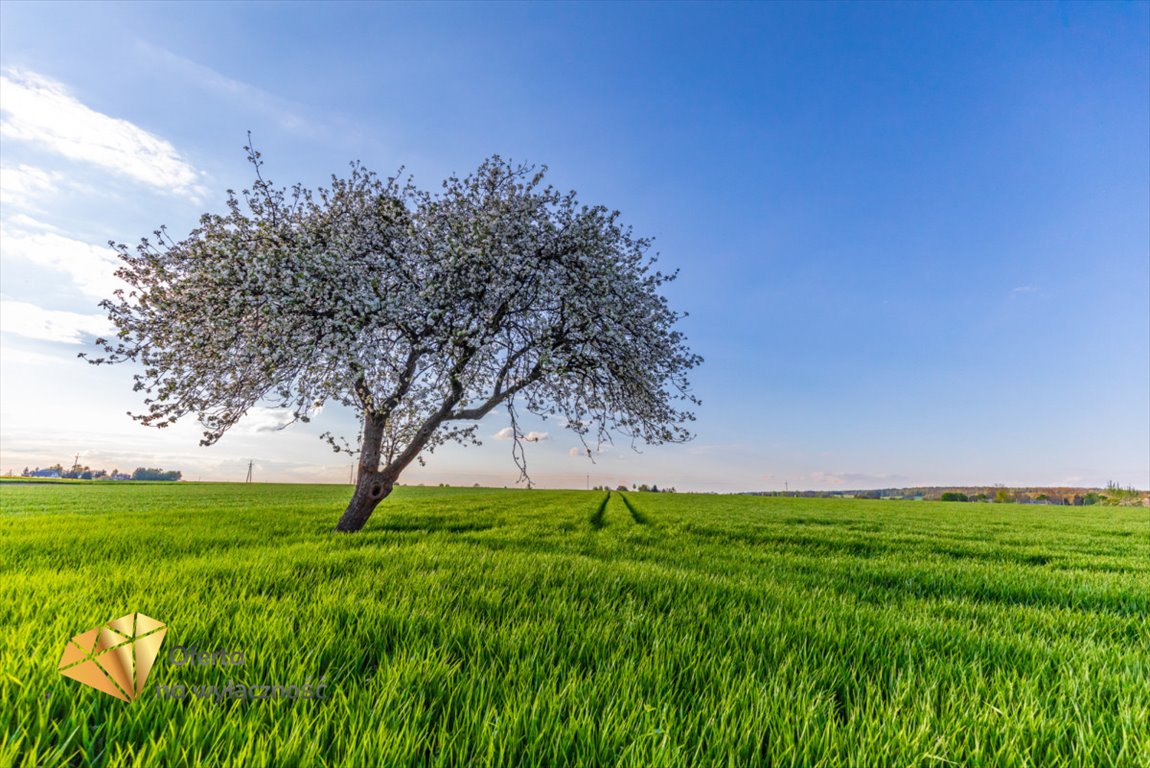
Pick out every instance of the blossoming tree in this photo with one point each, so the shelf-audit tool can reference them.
(422, 312)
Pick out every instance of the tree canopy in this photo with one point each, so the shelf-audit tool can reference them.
(422, 312)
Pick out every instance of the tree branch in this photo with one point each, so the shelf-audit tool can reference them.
(477, 413)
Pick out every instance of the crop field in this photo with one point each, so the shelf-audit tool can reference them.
(519, 628)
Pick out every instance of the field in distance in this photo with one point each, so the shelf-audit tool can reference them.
(488, 627)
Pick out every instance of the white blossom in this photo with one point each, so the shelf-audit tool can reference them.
(423, 312)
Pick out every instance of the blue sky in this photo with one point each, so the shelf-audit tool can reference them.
(914, 239)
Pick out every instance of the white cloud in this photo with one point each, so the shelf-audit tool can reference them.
(23, 319)
(262, 418)
(856, 480)
(599, 450)
(531, 437)
(91, 267)
(41, 111)
(16, 356)
(22, 185)
(27, 222)
(828, 478)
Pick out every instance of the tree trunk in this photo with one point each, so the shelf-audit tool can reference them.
(374, 484)
(370, 489)
(371, 486)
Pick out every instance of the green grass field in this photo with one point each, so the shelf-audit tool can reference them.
(483, 627)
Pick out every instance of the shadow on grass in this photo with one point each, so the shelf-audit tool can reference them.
(884, 588)
(431, 524)
(1001, 556)
(843, 523)
(636, 515)
(808, 545)
(597, 521)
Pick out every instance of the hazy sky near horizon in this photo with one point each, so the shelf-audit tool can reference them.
(913, 239)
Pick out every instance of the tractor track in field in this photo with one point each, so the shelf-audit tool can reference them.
(636, 515)
(597, 521)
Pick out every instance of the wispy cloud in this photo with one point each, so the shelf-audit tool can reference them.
(288, 115)
(579, 451)
(531, 437)
(719, 449)
(1022, 290)
(16, 356)
(828, 478)
(855, 480)
(23, 319)
(41, 111)
(90, 267)
(267, 418)
(23, 185)
(264, 419)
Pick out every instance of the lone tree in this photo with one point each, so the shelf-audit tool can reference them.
(422, 312)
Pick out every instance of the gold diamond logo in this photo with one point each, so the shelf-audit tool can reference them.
(117, 657)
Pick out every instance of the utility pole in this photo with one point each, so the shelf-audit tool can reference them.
(588, 482)
(249, 471)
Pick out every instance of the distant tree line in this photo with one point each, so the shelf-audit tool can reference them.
(79, 472)
(641, 488)
(151, 473)
(1112, 495)
(1003, 496)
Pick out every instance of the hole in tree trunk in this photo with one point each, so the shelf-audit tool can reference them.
(376, 491)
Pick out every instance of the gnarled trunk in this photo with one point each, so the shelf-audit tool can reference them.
(372, 486)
